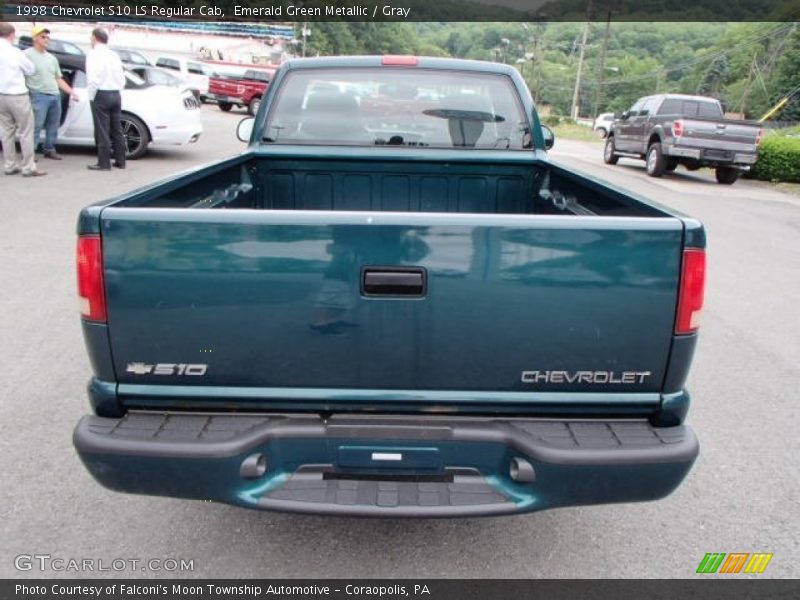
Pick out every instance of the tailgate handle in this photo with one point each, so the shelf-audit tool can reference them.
(405, 282)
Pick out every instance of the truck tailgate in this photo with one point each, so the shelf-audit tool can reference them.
(329, 307)
(726, 135)
(226, 87)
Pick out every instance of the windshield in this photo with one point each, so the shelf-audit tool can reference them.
(257, 76)
(707, 109)
(64, 48)
(137, 58)
(398, 107)
(159, 77)
(133, 81)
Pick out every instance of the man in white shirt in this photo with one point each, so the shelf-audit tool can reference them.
(105, 78)
(16, 114)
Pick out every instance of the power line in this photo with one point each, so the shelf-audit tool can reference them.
(697, 60)
(754, 39)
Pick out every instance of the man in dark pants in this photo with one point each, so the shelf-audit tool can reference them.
(105, 78)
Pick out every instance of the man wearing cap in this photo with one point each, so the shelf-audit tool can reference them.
(16, 116)
(44, 85)
(104, 80)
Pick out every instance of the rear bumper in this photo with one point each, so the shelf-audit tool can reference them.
(386, 466)
(226, 98)
(177, 134)
(708, 156)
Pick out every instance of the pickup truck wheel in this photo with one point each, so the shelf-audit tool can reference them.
(656, 163)
(225, 106)
(136, 136)
(252, 108)
(726, 175)
(610, 152)
(602, 131)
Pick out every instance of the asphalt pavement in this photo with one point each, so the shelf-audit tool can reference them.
(743, 494)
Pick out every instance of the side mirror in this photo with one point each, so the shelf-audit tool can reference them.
(549, 137)
(245, 129)
(626, 115)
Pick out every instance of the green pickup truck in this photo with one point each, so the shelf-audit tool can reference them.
(392, 303)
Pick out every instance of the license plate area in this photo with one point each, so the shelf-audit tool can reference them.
(390, 459)
(717, 154)
(445, 477)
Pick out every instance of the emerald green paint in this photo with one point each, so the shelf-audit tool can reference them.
(252, 268)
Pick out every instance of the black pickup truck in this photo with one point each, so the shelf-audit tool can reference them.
(668, 130)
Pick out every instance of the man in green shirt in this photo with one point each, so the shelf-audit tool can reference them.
(44, 85)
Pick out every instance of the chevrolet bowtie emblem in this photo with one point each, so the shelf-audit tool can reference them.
(138, 368)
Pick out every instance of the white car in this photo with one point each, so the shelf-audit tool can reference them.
(602, 124)
(151, 114)
(192, 72)
(159, 76)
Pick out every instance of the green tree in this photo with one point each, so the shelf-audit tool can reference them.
(385, 38)
(788, 78)
(330, 38)
(641, 59)
(715, 77)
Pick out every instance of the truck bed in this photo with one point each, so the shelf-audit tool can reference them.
(260, 270)
(479, 184)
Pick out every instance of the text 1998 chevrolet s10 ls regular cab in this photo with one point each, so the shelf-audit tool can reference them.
(391, 304)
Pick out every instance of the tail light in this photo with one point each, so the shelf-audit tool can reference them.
(677, 128)
(91, 292)
(692, 288)
(759, 135)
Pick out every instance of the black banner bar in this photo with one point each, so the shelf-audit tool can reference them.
(295, 11)
(714, 588)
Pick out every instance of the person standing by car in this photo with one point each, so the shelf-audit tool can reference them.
(105, 78)
(44, 84)
(16, 115)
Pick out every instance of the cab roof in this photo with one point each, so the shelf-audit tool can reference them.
(423, 62)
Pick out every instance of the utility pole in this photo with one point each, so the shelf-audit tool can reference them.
(576, 93)
(505, 43)
(537, 52)
(747, 84)
(535, 58)
(304, 32)
(598, 91)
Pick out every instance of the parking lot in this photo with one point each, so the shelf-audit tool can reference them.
(742, 496)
